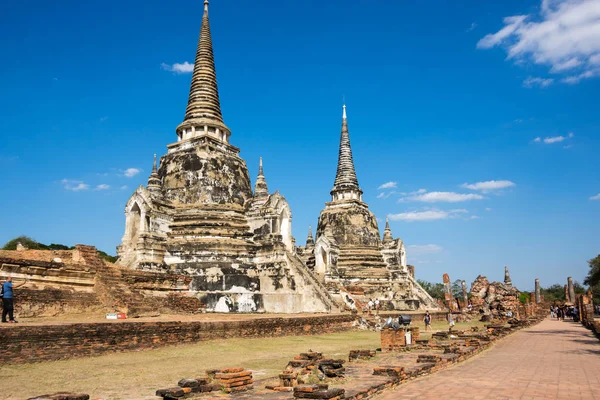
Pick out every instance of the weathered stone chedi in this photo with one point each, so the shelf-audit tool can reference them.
(199, 216)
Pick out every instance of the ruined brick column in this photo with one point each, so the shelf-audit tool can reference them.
(538, 293)
(448, 291)
(567, 293)
(465, 296)
(571, 290)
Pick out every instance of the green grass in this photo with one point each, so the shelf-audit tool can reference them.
(137, 375)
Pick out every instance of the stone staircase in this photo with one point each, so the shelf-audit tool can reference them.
(319, 289)
(112, 288)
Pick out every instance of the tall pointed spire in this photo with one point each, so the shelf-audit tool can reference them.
(387, 233)
(310, 242)
(154, 180)
(260, 189)
(346, 183)
(203, 108)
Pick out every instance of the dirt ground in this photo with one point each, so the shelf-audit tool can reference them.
(137, 375)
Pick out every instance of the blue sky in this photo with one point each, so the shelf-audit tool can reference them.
(441, 96)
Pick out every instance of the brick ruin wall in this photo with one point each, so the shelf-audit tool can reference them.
(26, 344)
(79, 282)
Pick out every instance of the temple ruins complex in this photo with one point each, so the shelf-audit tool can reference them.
(198, 216)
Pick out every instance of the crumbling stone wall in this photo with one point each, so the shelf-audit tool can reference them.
(25, 344)
(494, 300)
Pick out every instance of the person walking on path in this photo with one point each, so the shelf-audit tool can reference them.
(450, 321)
(8, 300)
(427, 321)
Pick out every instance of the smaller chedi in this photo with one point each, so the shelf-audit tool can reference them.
(348, 254)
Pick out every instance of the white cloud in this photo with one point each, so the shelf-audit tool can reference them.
(541, 82)
(74, 186)
(124, 187)
(488, 209)
(488, 185)
(596, 197)
(103, 119)
(131, 172)
(554, 139)
(443, 197)
(419, 249)
(474, 217)
(102, 186)
(388, 185)
(184, 68)
(428, 215)
(564, 36)
(473, 26)
(384, 195)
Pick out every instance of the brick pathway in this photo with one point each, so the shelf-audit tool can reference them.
(552, 360)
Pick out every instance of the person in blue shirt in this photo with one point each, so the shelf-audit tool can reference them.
(8, 300)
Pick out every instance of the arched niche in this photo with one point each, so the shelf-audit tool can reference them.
(134, 222)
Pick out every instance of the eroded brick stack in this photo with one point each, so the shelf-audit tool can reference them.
(392, 339)
(62, 396)
(361, 354)
(233, 380)
(318, 392)
(187, 388)
(302, 366)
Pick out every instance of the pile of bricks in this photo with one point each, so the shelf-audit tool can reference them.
(62, 396)
(187, 388)
(392, 339)
(428, 358)
(396, 372)
(232, 380)
(361, 355)
(298, 370)
(332, 368)
(318, 392)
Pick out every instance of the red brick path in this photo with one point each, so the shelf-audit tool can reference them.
(552, 360)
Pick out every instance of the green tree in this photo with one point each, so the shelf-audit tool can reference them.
(457, 289)
(25, 241)
(553, 293)
(435, 290)
(593, 277)
(35, 245)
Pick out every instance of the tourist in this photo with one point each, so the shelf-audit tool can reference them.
(370, 305)
(377, 306)
(450, 321)
(551, 312)
(427, 321)
(470, 306)
(7, 300)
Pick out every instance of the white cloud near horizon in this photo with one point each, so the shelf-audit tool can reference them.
(488, 185)
(74, 186)
(178, 68)
(443, 197)
(388, 185)
(427, 215)
(102, 186)
(596, 197)
(131, 172)
(564, 35)
(419, 249)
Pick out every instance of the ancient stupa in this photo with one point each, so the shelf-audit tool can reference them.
(199, 216)
(350, 256)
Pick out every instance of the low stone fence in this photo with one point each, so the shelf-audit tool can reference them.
(27, 344)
